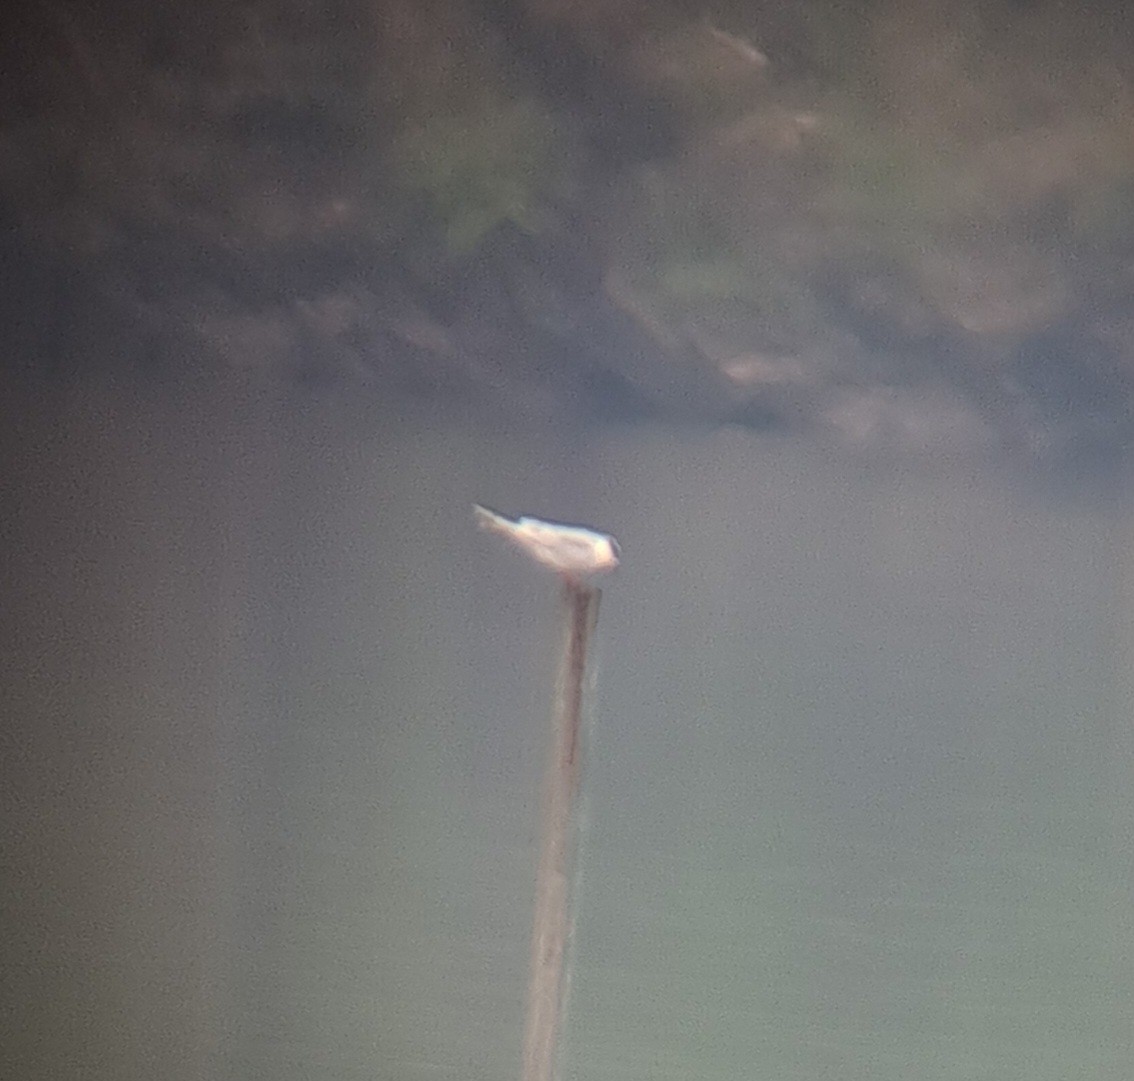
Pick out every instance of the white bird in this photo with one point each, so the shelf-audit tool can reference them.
(575, 551)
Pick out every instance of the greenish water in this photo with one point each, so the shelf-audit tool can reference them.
(858, 797)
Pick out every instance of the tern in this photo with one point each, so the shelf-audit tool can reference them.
(576, 551)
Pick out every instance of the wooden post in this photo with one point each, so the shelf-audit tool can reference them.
(557, 840)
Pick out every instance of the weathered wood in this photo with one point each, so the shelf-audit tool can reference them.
(552, 925)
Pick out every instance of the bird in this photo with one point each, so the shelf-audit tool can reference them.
(577, 552)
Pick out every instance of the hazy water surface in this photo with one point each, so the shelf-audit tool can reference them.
(858, 801)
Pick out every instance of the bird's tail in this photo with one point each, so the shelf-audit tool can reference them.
(490, 520)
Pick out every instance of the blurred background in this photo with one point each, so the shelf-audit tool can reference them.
(824, 312)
